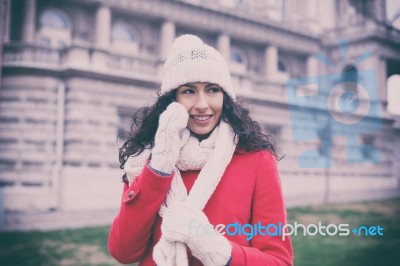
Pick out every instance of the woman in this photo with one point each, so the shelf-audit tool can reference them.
(196, 164)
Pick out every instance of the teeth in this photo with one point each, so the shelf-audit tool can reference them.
(201, 118)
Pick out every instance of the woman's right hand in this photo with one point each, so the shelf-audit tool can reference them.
(170, 137)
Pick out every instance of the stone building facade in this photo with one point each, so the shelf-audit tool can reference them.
(73, 73)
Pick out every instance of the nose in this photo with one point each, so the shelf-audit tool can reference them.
(201, 104)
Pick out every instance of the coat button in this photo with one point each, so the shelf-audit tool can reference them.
(131, 193)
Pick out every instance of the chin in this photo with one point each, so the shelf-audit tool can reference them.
(201, 132)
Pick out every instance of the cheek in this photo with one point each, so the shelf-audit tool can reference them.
(218, 105)
(186, 103)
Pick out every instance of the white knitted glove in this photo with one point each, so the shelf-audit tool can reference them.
(170, 137)
(185, 224)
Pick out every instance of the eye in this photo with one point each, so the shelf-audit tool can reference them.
(187, 91)
(214, 89)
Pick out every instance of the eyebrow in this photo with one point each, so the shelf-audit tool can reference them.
(194, 87)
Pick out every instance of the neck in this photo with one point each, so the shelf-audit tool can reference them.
(201, 137)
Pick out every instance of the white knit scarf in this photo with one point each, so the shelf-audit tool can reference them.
(211, 156)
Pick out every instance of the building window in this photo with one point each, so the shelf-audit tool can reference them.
(54, 18)
(55, 29)
(350, 78)
(125, 38)
(124, 33)
(349, 73)
(368, 150)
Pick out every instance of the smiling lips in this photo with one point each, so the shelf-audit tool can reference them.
(201, 118)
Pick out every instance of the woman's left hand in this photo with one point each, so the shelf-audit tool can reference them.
(171, 135)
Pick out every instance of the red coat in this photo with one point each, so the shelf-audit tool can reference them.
(249, 192)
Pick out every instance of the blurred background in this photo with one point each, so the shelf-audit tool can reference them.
(73, 73)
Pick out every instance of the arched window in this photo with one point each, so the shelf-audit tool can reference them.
(125, 38)
(349, 73)
(124, 33)
(54, 18)
(55, 28)
(350, 78)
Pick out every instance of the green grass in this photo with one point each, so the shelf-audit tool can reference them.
(67, 247)
(89, 246)
(352, 249)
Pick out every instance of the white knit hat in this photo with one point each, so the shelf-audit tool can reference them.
(191, 60)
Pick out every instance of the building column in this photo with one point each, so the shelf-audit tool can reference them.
(312, 66)
(103, 27)
(224, 46)
(378, 65)
(271, 66)
(311, 18)
(167, 38)
(311, 7)
(28, 32)
(271, 61)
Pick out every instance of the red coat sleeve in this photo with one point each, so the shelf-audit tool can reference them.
(131, 232)
(267, 208)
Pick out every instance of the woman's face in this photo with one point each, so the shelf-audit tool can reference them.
(204, 103)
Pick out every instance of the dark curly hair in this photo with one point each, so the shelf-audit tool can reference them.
(145, 124)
